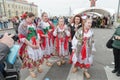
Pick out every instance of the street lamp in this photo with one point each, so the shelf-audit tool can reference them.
(4, 7)
(0, 9)
(31, 6)
(70, 11)
(40, 12)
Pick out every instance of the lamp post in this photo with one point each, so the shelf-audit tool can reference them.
(31, 6)
(40, 12)
(4, 7)
(0, 9)
(70, 11)
(118, 10)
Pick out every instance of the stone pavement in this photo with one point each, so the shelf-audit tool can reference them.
(102, 58)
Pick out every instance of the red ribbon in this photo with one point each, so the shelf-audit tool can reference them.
(57, 43)
(50, 34)
(34, 42)
(65, 40)
(22, 48)
(43, 44)
(51, 25)
(71, 56)
(83, 51)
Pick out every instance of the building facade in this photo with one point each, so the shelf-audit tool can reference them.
(11, 8)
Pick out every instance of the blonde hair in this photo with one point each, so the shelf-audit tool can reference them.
(43, 14)
(85, 20)
(61, 18)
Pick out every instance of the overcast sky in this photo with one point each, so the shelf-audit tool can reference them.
(61, 7)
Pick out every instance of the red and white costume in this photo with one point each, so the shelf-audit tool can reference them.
(82, 44)
(30, 57)
(62, 37)
(47, 44)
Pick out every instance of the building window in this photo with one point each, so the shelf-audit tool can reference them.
(0, 9)
(19, 7)
(13, 6)
(22, 7)
(22, 12)
(9, 13)
(9, 5)
(16, 13)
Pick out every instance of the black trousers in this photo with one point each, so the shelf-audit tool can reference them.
(70, 47)
(116, 53)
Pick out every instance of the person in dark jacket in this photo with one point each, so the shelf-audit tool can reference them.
(16, 23)
(77, 23)
(116, 51)
(5, 44)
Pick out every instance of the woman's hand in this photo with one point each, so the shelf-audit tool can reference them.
(93, 41)
(73, 50)
(45, 35)
(117, 37)
(31, 45)
(50, 30)
(35, 46)
(7, 39)
(40, 41)
(75, 29)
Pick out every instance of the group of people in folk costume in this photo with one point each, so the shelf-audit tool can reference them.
(38, 42)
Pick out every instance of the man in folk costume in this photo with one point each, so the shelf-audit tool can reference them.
(45, 30)
(82, 48)
(30, 50)
(62, 37)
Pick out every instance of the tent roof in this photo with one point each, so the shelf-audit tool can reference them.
(102, 11)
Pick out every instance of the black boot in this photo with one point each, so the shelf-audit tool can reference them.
(118, 74)
(114, 71)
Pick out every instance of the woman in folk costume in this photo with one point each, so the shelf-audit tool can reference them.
(62, 37)
(30, 50)
(45, 30)
(82, 48)
(74, 27)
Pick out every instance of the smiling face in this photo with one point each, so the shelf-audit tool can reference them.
(88, 24)
(77, 20)
(61, 22)
(45, 17)
(30, 18)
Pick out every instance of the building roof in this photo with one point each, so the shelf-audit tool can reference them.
(23, 2)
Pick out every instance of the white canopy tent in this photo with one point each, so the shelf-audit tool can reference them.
(95, 10)
(94, 13)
